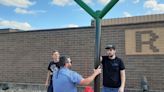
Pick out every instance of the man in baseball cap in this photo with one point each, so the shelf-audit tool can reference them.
(113, 71)
(110, 46)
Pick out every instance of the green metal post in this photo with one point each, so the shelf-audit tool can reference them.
(98, 15)
(98, 50)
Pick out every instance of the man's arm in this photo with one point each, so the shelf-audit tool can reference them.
(47, 79)
(123, 78)
(89, 79)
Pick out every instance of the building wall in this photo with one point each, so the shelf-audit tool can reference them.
(24, 56)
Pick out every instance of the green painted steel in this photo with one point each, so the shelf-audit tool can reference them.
(97, 15)
(86, 8)
(101, 13)
(97, 52)
(107, 8)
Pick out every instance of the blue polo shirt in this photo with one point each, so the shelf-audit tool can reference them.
(65, 80)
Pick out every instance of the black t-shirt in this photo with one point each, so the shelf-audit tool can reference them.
(53, 66)
(111, 71)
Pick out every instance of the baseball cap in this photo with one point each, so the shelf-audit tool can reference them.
(110, 46)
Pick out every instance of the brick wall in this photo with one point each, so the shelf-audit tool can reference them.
(24, 56)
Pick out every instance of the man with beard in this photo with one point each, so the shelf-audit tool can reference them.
(66, 80)
(113, 71)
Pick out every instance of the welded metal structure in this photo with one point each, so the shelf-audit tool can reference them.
(97, 15)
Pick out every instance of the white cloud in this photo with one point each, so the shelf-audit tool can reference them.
(127, 14)
(136, 1)
(15, 24)
(62, 2)
(72, 25)
(150, 4)
(25, 11)
(17, 3)
(154, 6)
(104, 2)
(68, 2)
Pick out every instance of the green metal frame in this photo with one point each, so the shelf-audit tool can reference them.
(97, 15)
(101, 13)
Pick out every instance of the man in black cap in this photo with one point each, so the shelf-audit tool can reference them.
(113, 71)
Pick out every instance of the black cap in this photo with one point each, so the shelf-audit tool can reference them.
(109, 46)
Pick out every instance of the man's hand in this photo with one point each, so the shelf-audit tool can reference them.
(121, 89)
(97, 71)
(46, 85)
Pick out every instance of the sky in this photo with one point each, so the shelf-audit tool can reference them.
(53, 14)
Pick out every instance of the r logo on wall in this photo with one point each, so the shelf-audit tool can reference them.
(148, 41)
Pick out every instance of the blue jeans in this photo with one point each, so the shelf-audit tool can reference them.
(106, 89)
(50, 87)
